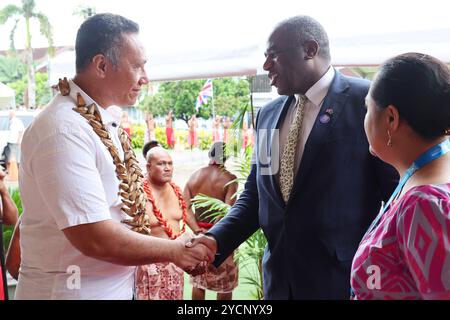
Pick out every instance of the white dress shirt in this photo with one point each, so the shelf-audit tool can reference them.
(316, 94)
(67, 178)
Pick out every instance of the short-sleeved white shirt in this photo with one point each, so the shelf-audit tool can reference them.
(67, 178)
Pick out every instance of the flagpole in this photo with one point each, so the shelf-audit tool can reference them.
(212, 100)
(213, 110)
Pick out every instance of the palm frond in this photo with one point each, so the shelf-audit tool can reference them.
(215, 208)
(15, 196)
(46, 30)
(9, 12)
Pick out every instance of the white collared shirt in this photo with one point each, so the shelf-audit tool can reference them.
(67, 178)
(316, 94)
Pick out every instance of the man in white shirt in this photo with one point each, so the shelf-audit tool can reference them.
(15, 132)
(75, 179)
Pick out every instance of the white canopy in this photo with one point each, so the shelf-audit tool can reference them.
(7, 97)
(360, 50)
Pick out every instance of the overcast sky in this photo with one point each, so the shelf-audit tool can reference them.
(171, 24)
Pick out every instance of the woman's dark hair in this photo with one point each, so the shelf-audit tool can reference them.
(101, 34)
(418, 85)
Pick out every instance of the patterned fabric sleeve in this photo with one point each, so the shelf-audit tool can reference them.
(423, 234)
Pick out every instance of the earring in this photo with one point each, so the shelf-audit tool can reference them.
(389, 143)
(447, 132)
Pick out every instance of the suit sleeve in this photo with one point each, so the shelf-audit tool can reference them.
(241, 221)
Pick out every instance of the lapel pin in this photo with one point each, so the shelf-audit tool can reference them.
(325, 118)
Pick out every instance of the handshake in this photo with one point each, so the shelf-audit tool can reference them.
(195, 253)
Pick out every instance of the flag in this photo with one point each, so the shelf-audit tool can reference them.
(205, 94)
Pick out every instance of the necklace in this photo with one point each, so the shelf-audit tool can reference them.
(128, 172)
(162, 221)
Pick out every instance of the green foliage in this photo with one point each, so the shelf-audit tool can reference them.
(8, 230)
(43, 94)
(230, 96)
(204, 139)
(20, 87)
(11, 69)
(248, 255)
(26, 13)
(84, 11)
(137, 136)
(181, 96)
(154, 104)
(216, 209)
(160, 135)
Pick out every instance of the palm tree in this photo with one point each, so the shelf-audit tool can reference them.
(26, 13)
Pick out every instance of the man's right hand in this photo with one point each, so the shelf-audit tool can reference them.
(189, 257)
(206, 241)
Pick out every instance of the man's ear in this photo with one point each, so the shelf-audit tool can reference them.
(311, 48)
(100, 65)
(393, 117)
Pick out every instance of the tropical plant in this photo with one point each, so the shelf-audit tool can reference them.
(8, 230)
(27, 12)
(11, 69)
(43, 94)
(84, 11)
(137, 136)
(253, 251)
(229, 96)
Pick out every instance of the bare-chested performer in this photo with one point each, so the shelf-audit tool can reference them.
(215, 128)
(192, 132)
(166, 209)
(150, 132)
(226, 129)
(170, 135)
(212, 181)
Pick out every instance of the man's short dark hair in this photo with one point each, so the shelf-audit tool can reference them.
(303, 28)
(101, 34)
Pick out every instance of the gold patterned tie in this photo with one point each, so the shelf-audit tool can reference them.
(289, 150)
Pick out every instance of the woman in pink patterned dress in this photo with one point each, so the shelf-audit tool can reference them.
(406, 252)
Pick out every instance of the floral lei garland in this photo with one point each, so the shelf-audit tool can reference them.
(163, 222)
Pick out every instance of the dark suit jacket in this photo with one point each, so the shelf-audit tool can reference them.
(337, 193)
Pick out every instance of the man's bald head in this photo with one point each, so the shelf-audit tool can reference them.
(159, 166)
(155, 152)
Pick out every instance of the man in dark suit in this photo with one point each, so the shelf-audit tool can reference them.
(317, 188)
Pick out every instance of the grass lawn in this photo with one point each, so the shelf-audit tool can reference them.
(243, 291)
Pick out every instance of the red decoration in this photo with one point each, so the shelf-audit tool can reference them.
(162, 221)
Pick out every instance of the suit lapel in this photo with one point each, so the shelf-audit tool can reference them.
(334, 103)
